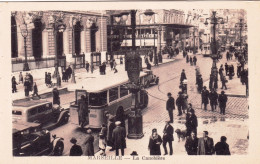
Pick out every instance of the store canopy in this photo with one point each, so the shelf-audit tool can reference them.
(146, 42)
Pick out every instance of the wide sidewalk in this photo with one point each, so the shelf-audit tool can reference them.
(80, 74)
(234, 86)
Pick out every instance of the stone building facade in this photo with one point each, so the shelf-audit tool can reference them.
(85, 32)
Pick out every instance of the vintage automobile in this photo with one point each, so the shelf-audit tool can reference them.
(41, 111)
(150, 78)
(30, 140)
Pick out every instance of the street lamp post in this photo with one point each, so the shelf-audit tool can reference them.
(214, 20)
(241, 26)
(57, 25)
(133, 66)
(27, 22)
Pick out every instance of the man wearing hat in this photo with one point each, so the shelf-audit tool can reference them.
(183, 76)
(205, 97)
(222, 148)
(205, 145)
(75, 150)
(110, 127)
(191, 122)
(179, 103)
(170, 106)
(200, 83)
(167, 137)
(118, 137)
(222, 100)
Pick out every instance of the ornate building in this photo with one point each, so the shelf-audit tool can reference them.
(83, 32)
(164, 28)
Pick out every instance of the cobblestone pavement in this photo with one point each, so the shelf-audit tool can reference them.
(233, 125)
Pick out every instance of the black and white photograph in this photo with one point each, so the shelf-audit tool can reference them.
(128, 83)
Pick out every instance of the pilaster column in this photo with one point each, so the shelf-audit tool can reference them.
(45, 46)
(20, 41)
(88, 40)
(66, 42)
(83, 41)
(29, 43)
(98, 36)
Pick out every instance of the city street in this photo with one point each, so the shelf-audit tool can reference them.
(234, 125)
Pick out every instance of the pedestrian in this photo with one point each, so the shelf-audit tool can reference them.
(221, 70)
(197, 70)
(226, 68)
(222, 148)
(26, 87)
(238, 70)
(189, 107)
(31, 81)
(64, 76)
(56, 96)
(149, 66)
(183, 76)
(195, 60)
(227, 55)
(184, 102)
(205, 145)
(89, 143)
(200, 83)
(20, 77)
(191, 61)
(215, 86)
(205, 97)
(46, 78)
(35, 90)
(222, 100)
(213, 97)
(223, 82)
(211, 80)
(155, 142)
(75, 150)
(191, 144)
(191, 123)
(103, 139)
(231, 71)
(179, 102)
(118, 137)
(156, 61)
(14, 83)
(184, 53)
(121, 60)
(120, 116)
(104, 67)
(110, 127)
(87, 66)
(187, 59)
(82, 111)
(170, 106)
(69, 72)
(168, 137)
(151, 56)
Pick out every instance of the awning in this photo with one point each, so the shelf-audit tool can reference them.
(146, 42)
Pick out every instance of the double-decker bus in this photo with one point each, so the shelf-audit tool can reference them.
(106, 95)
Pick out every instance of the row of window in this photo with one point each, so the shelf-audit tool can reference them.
(98, 99)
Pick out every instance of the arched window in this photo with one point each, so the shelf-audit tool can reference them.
(37, 39)
(14, 45)
(93, 31)
(77, 30)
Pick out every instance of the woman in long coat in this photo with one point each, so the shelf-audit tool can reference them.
(89, 144)
(155, 143)
(110, 127)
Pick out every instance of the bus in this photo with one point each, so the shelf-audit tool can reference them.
(104, 96)
(206, 50)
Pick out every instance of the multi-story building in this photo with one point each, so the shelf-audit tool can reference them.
(85, 32)
(164, 28)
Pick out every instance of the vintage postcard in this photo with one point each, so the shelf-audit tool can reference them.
(130, 81)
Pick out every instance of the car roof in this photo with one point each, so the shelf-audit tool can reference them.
(29, 104)
(21, 126)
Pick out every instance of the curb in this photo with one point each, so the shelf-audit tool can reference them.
(43, 95)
